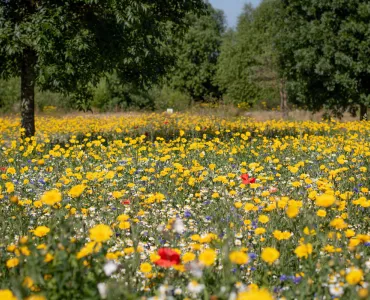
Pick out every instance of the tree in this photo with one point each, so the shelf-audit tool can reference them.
(247, 69)
(66, 46)
(197, 53)
(265, 72)
(233, 72)
(323, 53)
(113, 94)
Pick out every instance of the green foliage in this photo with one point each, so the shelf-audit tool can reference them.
(247, 71)
(323, 52)
(166, 97)
(197, 53)
(111, 94)
(76, 41)
(10, 94)
(265, 73)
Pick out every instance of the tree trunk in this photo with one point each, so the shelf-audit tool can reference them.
(28, 78)
(363, 111)
(283, 100)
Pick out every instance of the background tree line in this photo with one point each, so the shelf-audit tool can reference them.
(313, 54)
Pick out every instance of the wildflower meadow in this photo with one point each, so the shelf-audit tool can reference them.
(157, 206)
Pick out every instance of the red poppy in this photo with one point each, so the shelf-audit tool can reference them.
(3, 169)
(166, 122)
(246, 180)
(126, 202)
(168, 258)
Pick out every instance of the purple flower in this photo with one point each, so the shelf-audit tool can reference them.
(283, 277)
(297, 280)
(254, 224)
(252, 255)
(187, 214)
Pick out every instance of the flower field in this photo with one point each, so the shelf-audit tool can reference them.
(177, 206)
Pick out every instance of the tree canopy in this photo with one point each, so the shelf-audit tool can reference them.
(324, 54)
(197, 53)
(247, 69)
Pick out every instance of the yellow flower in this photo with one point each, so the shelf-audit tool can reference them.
(350, 233)
(28, 282)
(270, 255)
(117, 194)
(41, 231)
(48, 257)
(154, 257)
(11, 263)
(41, 247)
(354, 276)
(279, 235)
(76, 191)
(249, 207)
(37, 204)
(180, 268)
(25, 251)
(338, 223)
(100, 233)
(303, 250)
(263, 219)
(129, 250)
(296, 184)
(11, 170)
(124, 225)
(325, 200)
(9, 187)
(36, 297)
(88, 249)
(259, 230)
(123, 218)
(11, 248)
(321, 213)
(238, 257)
(51, 197)
(7, 295)
(292, 211)
(255, 295)
(187, 257)
(208, 257)
(238, 204)
(145, 268)
(363, 293)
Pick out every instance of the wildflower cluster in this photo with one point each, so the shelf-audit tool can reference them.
(184, 207)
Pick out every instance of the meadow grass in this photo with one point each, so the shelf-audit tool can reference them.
(184, 206)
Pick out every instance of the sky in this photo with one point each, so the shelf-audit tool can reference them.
(232, 8)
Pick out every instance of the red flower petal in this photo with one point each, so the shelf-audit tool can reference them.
(246, 180)
(168, 258)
